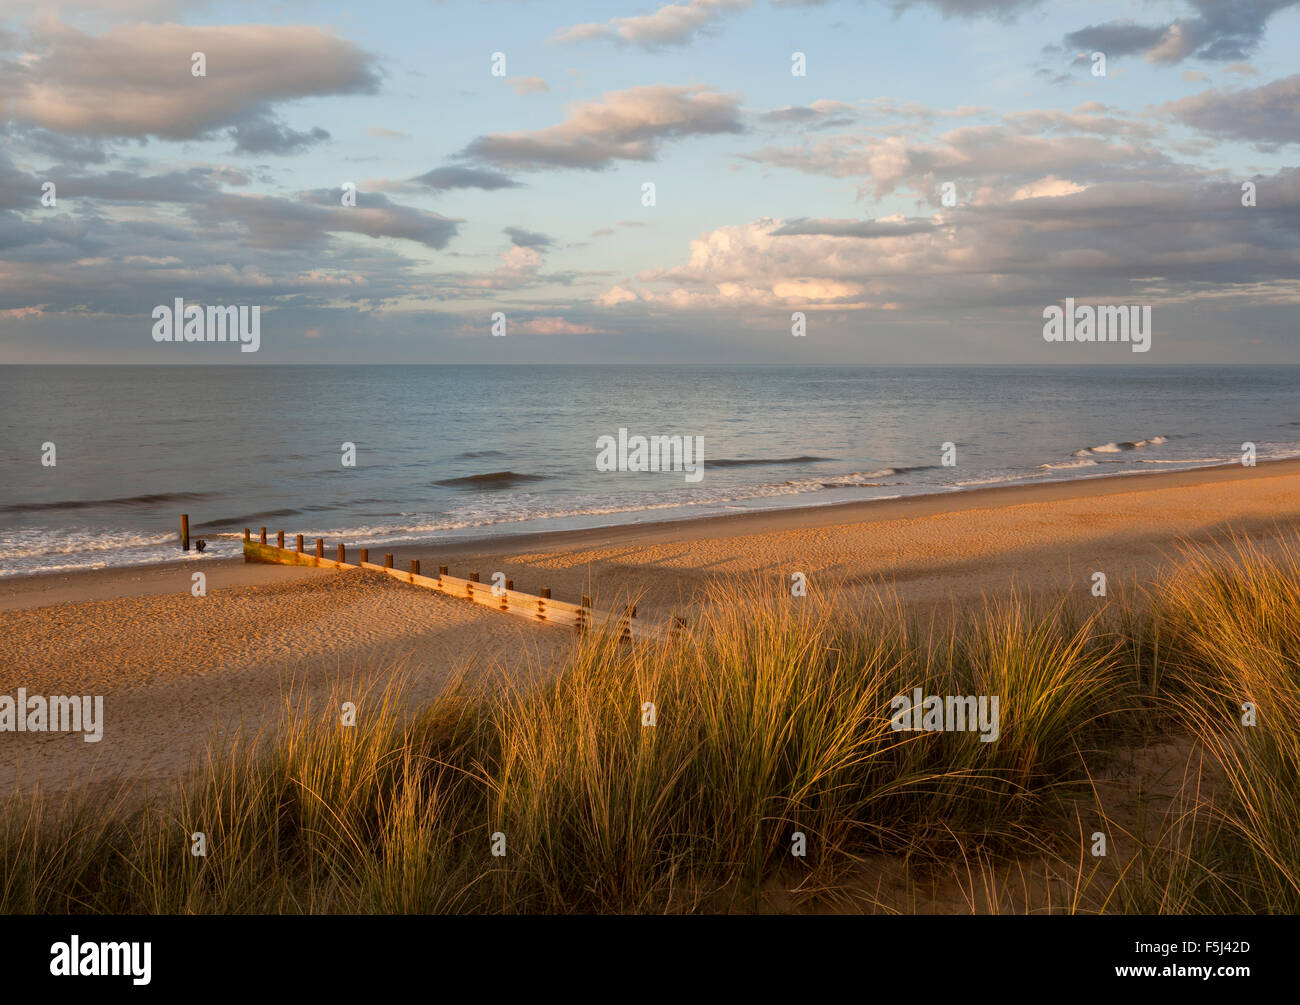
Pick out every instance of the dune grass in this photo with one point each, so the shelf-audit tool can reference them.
(685, 777)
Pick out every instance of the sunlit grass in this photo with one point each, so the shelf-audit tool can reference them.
(681, 777)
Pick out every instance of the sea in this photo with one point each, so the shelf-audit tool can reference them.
(97, 463)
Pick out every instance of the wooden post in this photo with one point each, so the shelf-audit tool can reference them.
(586, 600)
(546, 592)
(510, 584)
(248, 534)
(505, 600)
(388, 561)
(185, 532)
(279, 539)
(264, 535)
(320, 547)
(442, 570)
(473, 577)
(415, 567)
(365, 555)
(299, 544)
(343, 555)
(543, 595)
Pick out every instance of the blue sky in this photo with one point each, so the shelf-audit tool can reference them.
(774, 193)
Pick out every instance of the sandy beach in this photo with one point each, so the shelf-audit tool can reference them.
(173, 667)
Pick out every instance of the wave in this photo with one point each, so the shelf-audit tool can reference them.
(153, 499)
(1082, 462)
(900, 470)
(42, 543)
(247, 518)
(854, 480)
(471, 454)
(746, 462)
(1119, 447)
(491, 480)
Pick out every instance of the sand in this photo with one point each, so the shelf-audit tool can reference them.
(173, 668)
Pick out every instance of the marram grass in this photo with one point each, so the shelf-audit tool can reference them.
(683, 777)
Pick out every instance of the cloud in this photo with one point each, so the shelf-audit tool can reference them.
(993, 156)
(672, 24)
(443, 178)
(527, 85)
(527, 238)
(1267, 116)
(682, 23)
(821, 114)
(626, 125)
(552, 326)
(1004, 9)
(520, 267)
(583, 32)
(56, 146)
(854, 228)
(1218, 30)
(1154, 240)
(19, 189)
(271, 221)
(266, 136)
(134, 81)
(130, 10)
(193, 185)
(1050, 187)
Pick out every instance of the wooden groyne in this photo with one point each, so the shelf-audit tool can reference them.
(541, 607)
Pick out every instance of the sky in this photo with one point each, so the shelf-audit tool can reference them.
(649, 183)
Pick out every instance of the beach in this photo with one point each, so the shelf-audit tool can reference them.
(174, 668)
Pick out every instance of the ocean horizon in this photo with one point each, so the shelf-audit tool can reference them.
(458, 451)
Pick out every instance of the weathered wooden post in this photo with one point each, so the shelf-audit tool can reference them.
(473, 577)
(388, 561)
(415, 567)
(545, 592)
(365, 555)
(263, 535)
(299, 544)
(320, 547)
(442, 571)
(279, 539)
(543, 595)
(343, 555)
(185, 532)
(248, 535)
